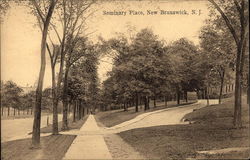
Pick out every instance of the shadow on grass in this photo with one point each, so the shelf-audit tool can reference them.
(52, 147)
(212, 129)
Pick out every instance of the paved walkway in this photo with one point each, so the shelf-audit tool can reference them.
(87, 144)
(169, 116)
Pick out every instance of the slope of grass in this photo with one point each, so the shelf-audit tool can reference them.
(72, 125)
(212, 129)
(52, 147)
(217, 113)
(114, 117)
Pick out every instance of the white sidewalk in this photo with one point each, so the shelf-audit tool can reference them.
(88, 146)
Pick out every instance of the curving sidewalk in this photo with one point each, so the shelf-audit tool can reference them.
(168, 116)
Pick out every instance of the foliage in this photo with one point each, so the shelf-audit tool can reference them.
(11, 95)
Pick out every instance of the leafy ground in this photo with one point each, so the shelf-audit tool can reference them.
(212, 129)
(114, 117)
(52, 147)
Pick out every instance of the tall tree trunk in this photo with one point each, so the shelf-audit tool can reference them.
(65, 100)
(69, 108)
(185, 95)
(145, 103)
(248, 89)
(178, 96)
(8, 110)
(80, 110)
(136, 102)
(77, 108)
(83, 112)
(2, 110)
(154, 101)
(204, 93)
(38, 102)
(18, 112)
(14, 111)
(237, 99)
(74, 112)
(221, 85)
(54, 102)
(207, 95)
(148, 101)
(165, 101)
(237, 103)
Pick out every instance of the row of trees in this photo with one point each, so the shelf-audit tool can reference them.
(64, 38)
(66, 20)
(145, 67)
(12, 96)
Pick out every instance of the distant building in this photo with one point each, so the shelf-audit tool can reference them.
(28, 89)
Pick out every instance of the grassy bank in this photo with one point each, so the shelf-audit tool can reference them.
(72, 125)
(52, 147)
(21, 115)
(114, 117)
(212, 129)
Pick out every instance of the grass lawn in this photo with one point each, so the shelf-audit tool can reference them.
(114, 117)
(211, 130)
(4, 117)
(52, 147)
(72, 125)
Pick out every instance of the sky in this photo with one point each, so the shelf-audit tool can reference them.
(21, 38)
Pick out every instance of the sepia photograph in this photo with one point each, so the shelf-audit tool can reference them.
(124, 79)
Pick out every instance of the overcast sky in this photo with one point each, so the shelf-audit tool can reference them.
(20, 38)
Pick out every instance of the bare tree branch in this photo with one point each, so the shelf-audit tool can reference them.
(232, 30)
(40, 13)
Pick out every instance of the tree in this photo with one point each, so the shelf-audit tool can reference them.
(80, 47)
(72, 17)
(11, 96)
(28, 101)
(83, 84)
(141, 68)
(220, 54)
(184, 58)
(236, 18)
(45, 18)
